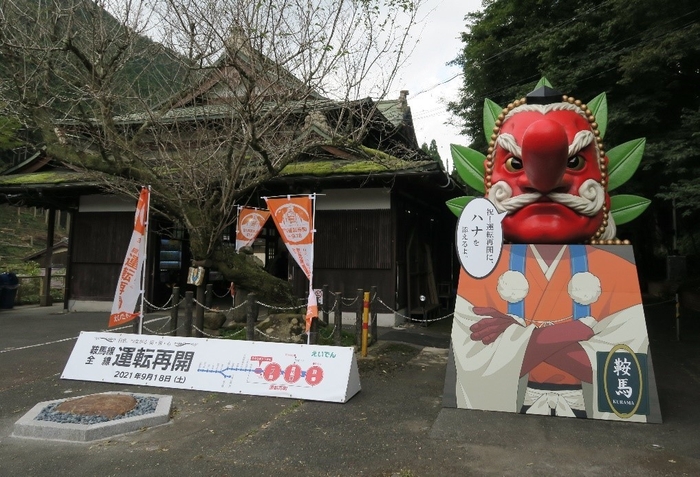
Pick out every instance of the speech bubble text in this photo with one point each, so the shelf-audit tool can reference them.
(479, 237)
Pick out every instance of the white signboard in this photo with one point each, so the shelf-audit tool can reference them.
(318, 373)
(479, 237)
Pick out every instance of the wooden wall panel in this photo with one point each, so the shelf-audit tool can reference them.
(101, 237)
(94, 281)
(99, 243)
(353, 239)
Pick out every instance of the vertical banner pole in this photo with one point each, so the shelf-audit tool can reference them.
(145, 259)
(238, 224)
(365, 323)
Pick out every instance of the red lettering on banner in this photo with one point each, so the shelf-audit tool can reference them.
(292, 373)
(272, 372)
(314, 375)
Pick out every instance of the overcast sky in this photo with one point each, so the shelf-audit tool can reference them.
(426, 73)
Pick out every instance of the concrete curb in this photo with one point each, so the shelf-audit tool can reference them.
(29, 427)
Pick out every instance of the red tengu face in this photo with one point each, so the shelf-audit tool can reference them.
(545, 159)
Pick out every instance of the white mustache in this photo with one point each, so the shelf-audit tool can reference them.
(590, 200)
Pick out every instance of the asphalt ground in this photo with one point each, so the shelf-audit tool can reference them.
(395, 426)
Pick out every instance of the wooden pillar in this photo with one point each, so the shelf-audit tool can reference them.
(199, 312)
(373, 315)
(209, 301)
(251, 317)
(326, 304)
(174, 311)
(45, 298)
(189, 295)
(338, 318)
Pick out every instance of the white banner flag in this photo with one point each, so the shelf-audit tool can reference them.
(129, 283)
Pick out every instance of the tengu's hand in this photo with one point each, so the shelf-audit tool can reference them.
(487, 330)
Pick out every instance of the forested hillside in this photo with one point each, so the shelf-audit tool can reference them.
(645, 55)
(23, 232)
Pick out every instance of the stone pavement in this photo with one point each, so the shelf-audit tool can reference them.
(395, 426)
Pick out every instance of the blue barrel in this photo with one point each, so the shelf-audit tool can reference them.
(9, 283)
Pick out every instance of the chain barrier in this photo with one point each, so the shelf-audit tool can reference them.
(217, 310)
(329, 334)
(408, 318)
(156, 332)
(236, 333)
(227, 293)
(163, 326)
(336, 305)
(285, 308)
(204, 332)
(164, 307)
(272, 337)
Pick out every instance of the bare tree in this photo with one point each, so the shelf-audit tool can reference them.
(201, 99)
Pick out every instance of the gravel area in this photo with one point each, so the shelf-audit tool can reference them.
(144, 405)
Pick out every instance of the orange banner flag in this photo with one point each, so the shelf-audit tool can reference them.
(250, 223)
(294, 219)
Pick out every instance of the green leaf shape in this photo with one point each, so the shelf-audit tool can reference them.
(599, 108)
(625, 208)
(543, 82)
(458, 204)
(470, 166)
(491, 113)
(624, 161)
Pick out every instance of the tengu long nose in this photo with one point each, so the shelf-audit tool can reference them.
(545, 149)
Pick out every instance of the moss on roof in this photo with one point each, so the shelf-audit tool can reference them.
(44, 177)
(336, 167)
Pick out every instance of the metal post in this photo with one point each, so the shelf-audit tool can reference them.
(338, 318)
(251, 317)
(189, 296)
(174, 311)
(313, 331)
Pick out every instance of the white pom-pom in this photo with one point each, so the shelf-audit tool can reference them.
(584, 288)
(513, 286)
